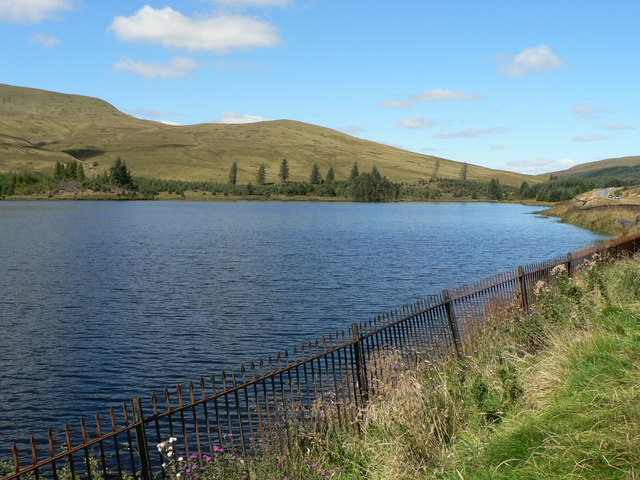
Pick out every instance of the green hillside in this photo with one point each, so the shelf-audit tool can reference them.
(608, 163)
(39, 128)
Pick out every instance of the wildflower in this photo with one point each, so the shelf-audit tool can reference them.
(180, 459)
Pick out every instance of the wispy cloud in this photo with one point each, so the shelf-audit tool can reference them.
(32, 11)
(589, 112)
(177, 67)
(44, 39)
(154, 114)
(396, 104)
(617, 126)
(596, 137)
(351, 129)
(441, 94)
(472, 133)
(170, 28)
(540, 165)
(530, 61)
(414, 123)
(232, 117)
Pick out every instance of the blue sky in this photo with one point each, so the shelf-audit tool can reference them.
(516, 85)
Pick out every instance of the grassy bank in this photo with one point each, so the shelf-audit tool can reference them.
(551, 394)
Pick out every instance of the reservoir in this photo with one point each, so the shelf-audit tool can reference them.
(100, 301)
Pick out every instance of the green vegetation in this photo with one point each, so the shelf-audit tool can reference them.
(565, 188)
(551, 394)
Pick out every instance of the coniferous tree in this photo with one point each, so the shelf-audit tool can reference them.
(283, 175)
(463, 171)
(261, 176)
(80, 172)
(120, 175)
(315, 177)
(436, 169)
(59, 171)
(233, 173)
(494, 192)
(70, 170)
(331, 176)
(354, 172)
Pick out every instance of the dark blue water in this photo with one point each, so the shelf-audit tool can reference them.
(100, 301)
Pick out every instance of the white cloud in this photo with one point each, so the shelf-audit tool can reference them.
(531, 61)
(32, 10)
(171, 28)
(439, 94)
(169, 122)
(154, 114)
(351, 129)
(617, 126)
(584, 112)
(596, 137)
(44, 39)
(177, 67)
(471, 133)
(540, 165)
(231, 117)
(396, 103)
(414, 123)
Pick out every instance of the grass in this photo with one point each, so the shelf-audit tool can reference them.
(38, 127)
(553, 394)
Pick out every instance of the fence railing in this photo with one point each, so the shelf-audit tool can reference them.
(327, 380)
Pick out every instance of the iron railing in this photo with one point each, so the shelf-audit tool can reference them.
(327, 380)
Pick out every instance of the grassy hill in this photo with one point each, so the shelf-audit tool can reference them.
(589, 169)
(39, 128)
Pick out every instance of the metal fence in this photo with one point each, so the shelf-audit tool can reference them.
(327, 380)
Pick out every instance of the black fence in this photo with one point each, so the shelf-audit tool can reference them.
(327, 380)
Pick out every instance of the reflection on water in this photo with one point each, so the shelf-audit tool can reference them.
(105, 300)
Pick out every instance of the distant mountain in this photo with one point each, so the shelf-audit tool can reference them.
(604, 167)
(39, 128)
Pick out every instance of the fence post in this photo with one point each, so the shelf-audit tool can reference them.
(568, 264)
(523, 289)
(141, 439)
(453, 323)
(360, 362)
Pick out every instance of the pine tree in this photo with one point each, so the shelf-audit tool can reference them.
(463, 171)
(120, 174)
(233, 173)
(284, 171)
(331, 176)
(80, 172)
(261, 176)
(494, 192)
(59, 171)
(354, 172)
(436, 169)
(316, 176)
(70, 170)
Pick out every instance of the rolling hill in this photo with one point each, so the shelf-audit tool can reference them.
(609, 163)
(39, 128)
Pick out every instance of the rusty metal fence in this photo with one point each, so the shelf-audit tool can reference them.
(327, 380)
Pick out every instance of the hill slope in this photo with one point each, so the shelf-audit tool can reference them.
(631, 161)
(39, 128)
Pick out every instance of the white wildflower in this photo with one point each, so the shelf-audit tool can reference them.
(539, 287)
(558, 270)
(180, 459)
